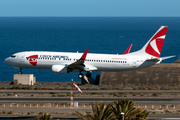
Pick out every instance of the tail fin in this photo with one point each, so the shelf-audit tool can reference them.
(154, 45)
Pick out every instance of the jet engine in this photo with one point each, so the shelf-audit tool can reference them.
(59, 69)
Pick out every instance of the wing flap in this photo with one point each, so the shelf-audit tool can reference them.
(89, 67)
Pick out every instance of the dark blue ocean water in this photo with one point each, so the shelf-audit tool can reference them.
(72, 34)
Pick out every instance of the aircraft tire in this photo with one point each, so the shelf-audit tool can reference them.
(88, 74)
(20, 72)
(80, 75)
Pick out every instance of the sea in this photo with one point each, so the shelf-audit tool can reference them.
(110, 35)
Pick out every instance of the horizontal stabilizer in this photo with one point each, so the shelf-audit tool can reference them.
(164, 58)
(160, 59)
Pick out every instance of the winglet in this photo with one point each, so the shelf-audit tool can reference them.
(84, 55)
(128, 49)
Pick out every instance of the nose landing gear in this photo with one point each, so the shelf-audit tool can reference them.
(20, 72)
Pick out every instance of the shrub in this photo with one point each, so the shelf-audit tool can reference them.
(163, 88)
(61, 95)
(167, 111)
(10, 112)
(3, 112)
(53, 95)
(16, 87)
(38, 88)
(154, 112)
(116, 88)
(133, 94)
(45, 116)
(104, 88)
(94, 93)
(155, 94)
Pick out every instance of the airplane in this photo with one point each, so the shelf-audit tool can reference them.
(65, 62)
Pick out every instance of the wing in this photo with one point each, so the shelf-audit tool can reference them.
(80, 64)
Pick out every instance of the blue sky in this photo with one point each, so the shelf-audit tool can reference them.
(86, 8)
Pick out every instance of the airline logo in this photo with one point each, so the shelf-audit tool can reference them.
(154, 47)
(53, 56)
(32, 59)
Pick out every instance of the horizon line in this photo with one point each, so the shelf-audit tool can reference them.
(89, 16)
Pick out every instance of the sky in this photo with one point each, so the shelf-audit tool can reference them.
(90, 8)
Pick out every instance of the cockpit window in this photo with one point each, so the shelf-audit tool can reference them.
(13, 56)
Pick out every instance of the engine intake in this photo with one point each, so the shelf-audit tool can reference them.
(59, 69)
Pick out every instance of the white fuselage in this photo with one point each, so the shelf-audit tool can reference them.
(65, 62)
(103, 62)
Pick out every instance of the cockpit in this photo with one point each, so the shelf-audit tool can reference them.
(12, 60)
(13, 56)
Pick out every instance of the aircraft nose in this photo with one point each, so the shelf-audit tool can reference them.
(7, 60)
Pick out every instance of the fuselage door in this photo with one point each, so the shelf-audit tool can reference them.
(22, 58)
(134, 62)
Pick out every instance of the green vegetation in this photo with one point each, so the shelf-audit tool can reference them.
(104, 88)
(10, 112)
(44, 116)
(3, 112)
(155, 94)
(62, 95)
(113, 111)
(94, 93)
(100, 112)
(53, 95)
(167, 111)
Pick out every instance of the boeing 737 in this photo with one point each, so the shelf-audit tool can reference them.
(65, 62)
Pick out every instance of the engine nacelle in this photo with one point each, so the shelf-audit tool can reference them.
(59, 69)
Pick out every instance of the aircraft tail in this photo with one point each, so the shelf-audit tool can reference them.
(154, 46)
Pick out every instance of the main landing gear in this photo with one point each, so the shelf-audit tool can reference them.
(88, 74)
(80, 75)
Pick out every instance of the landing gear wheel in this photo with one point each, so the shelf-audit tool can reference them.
(20, 72)
(80, 75)
(88, 74)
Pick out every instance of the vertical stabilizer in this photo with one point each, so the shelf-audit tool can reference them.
(154, 46)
